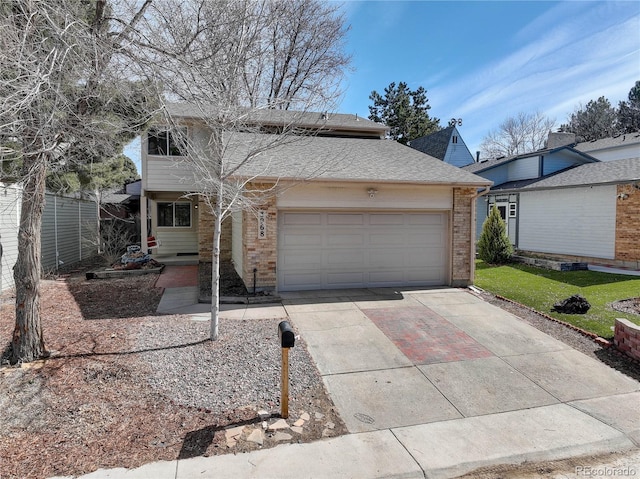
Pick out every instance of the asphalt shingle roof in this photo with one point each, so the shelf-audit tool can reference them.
(434, 144)
(620, 140)
(327, 121)
(343, 159)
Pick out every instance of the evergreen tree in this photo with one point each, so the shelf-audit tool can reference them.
(404, 111)
(595, 121)
(494, 246)
(629, 111)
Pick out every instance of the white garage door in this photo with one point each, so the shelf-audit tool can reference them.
(331, 250)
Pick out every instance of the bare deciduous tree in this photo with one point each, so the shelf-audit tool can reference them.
(229, 61)
(63, 97)
(517, 135)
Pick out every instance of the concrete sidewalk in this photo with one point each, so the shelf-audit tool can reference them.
(433, 384)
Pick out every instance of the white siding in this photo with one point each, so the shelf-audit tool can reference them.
(356, 196)
(572, 221)
(9, 221)
(237, 254)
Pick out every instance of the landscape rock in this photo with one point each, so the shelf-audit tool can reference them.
(282, 436)
(279, 424)
(256, 436)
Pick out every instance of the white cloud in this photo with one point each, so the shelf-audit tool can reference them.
(563, 61)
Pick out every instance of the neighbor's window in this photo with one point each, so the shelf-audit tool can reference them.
(174, 214)
(513, 208)
(163, 143)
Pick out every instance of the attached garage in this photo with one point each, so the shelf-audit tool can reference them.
(352, 249)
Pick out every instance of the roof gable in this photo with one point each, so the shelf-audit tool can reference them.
(434, 144)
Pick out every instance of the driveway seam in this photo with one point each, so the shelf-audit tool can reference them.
(424, 473)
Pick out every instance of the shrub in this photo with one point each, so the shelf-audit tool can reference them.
(494, 246)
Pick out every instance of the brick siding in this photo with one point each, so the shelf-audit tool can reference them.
(205, 246)
(627, 338)
(461, 241)
(260, 253)
(628, 223)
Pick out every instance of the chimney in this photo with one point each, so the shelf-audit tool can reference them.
(556, 140)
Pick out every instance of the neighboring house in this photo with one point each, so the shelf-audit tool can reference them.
(374, 213)
(121, 203)
(616, 148)
(446, 145)
(69, 228)
(563, 202)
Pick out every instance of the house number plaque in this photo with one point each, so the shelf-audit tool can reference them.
(262, 224)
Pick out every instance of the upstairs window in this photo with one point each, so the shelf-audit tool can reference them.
(454, 139)
(162, 143)
(174, 214)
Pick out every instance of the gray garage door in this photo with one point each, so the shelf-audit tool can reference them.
(331, 250)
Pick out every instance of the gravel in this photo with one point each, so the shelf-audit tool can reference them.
(241, 369)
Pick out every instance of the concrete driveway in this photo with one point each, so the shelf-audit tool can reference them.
(460, 383)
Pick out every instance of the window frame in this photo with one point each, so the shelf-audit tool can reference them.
(173, 214)
(165, 144)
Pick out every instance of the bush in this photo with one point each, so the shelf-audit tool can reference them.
(494, 246)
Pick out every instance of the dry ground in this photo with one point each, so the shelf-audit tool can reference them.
(103, 399)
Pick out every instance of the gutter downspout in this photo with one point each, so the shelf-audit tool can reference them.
(474, 210)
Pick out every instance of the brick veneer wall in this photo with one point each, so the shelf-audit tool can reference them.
(260, 254)
(461, 241)
(205, 246)
(626, 338)
(628, 223)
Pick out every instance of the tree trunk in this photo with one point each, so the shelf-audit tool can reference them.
(215, 269)
(27, 343)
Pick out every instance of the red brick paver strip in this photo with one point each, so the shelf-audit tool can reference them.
(178, 276)
(425, 337)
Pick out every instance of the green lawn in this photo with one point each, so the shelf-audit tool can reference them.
(541, 288)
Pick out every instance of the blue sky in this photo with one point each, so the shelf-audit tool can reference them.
(485, 61)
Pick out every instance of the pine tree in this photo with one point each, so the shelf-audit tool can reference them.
(494, 246)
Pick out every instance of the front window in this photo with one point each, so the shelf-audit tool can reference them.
(174, 214)
(163, 143)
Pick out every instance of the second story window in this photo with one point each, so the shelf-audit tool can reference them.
(162, 143)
